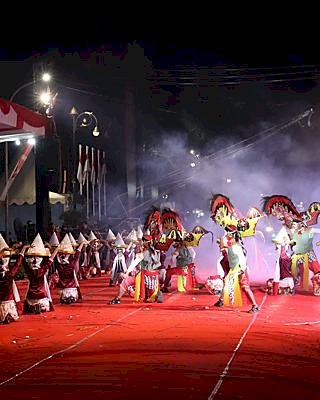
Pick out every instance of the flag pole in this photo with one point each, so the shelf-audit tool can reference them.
(87, 182)
(79, 171)
(104, 172)
(99, 185)
(93, 182)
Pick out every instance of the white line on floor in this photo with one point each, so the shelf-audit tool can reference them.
(226, 369)
(69, 347)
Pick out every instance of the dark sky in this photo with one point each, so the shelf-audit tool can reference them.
(207, 83)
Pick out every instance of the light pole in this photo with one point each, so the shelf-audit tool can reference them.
(46, 77)
(87, 118)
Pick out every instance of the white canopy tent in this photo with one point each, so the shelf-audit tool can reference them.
(18, 123)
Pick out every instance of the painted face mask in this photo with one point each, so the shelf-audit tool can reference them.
(34, 262)
(63, 258)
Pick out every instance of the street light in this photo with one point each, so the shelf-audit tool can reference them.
(46, 77)
(87, 118)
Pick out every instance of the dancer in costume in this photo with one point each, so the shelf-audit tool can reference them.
(68, 285)
(38, 298)
(282, 281)
(10, 305)
(300, 230)
(236, 227)
(119, 263)
(141, 280)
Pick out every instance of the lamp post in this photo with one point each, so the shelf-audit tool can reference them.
(87, 118)
(46, 77)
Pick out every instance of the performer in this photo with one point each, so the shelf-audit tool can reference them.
(93, 255)
(147, 280)
(301, 233)
(236, 227)
(38, 298)
(282, 281)
(84, 272)
(68, 285)
(215, 283)
(128, 282)
(119, 263)
(10, 305)
(182, 258)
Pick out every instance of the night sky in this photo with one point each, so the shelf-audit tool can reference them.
(208, 87)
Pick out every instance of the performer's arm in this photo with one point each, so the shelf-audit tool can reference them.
(192, 253)
(134, 263)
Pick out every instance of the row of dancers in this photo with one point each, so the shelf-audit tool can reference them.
(137, 264)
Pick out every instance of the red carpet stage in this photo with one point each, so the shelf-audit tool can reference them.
(182, 349)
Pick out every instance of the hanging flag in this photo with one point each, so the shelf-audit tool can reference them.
(86, 167)
(80, 171)
(93, 169)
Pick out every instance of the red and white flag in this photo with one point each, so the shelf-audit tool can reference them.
(93, 170)
(80, 170)
(86, 167)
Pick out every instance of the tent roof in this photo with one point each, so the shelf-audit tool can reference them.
(18, 122)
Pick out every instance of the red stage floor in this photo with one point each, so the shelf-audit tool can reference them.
(176, 350)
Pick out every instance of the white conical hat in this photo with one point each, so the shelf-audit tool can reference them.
(282, 237)
(4, 247)
(82, 239)
(119, 242)
(54, 240)
(111, 236)
(139, 233)
(132, 237)
(66, 245)
(72, 240)
(37, 248)
(92, 236)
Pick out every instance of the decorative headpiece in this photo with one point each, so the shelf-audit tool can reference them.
(224, 214)
(132, 236)
(37, 248)
(284, 210)
(54, 241)
(119, 243)
(72, 240)
(153, 223)
(66, 246)
(82, 239)
(5, 251)
(111, 236)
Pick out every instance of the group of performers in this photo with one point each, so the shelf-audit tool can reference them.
(136, 261)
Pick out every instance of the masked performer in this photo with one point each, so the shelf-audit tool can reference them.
(301, 234)
(236, 227)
